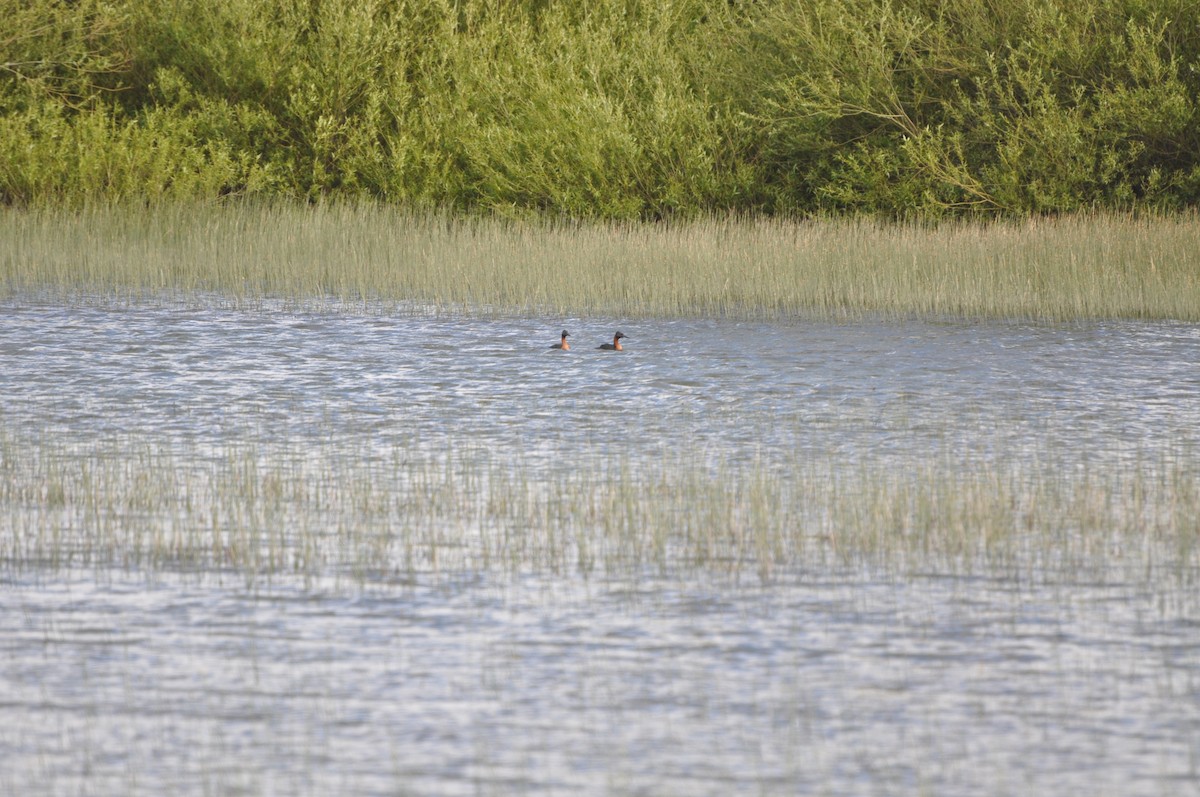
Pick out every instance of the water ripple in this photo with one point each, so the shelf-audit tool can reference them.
(862, 389)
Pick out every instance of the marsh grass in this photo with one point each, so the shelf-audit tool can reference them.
(1070, 268)
(262, 513)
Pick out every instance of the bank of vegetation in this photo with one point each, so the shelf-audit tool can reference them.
(1073, 268)
(611, 109)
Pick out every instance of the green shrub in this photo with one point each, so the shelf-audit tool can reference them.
(1018, 107)
(610, 109)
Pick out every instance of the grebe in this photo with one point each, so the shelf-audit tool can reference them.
(615, 345)
(563, 343)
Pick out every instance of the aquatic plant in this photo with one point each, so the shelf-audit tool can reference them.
(263, 512)
(1076, 267)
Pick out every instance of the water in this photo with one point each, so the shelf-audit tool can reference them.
(847, 678)
(859, 389)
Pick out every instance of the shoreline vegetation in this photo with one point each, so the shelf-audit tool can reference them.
(1071, 268)
(613, 109)
(819, 158)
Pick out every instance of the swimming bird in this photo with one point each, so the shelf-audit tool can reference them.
(563, 343)
(615, 345)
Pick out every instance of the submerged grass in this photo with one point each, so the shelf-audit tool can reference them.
(1070, 268)
(280, 512)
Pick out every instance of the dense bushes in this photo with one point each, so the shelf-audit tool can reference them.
(1010, 105)
(612, 108)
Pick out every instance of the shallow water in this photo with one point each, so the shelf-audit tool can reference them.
(846, 679)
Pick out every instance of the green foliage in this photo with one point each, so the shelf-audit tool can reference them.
(610, 109)
(898, 106)
(70, 53)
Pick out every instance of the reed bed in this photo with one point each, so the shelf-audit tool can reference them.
(1069, 268)
(282, 512)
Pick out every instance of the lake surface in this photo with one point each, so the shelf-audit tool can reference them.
(836, 678)
(858, 389)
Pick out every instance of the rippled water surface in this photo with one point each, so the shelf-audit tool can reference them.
(842, 387)
(839, 679)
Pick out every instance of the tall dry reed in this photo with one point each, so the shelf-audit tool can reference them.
(1079, 267)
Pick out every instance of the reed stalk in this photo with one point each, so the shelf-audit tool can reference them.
(273, 512)
(1071, 268)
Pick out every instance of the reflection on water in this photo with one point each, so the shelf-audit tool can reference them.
(829, 680)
